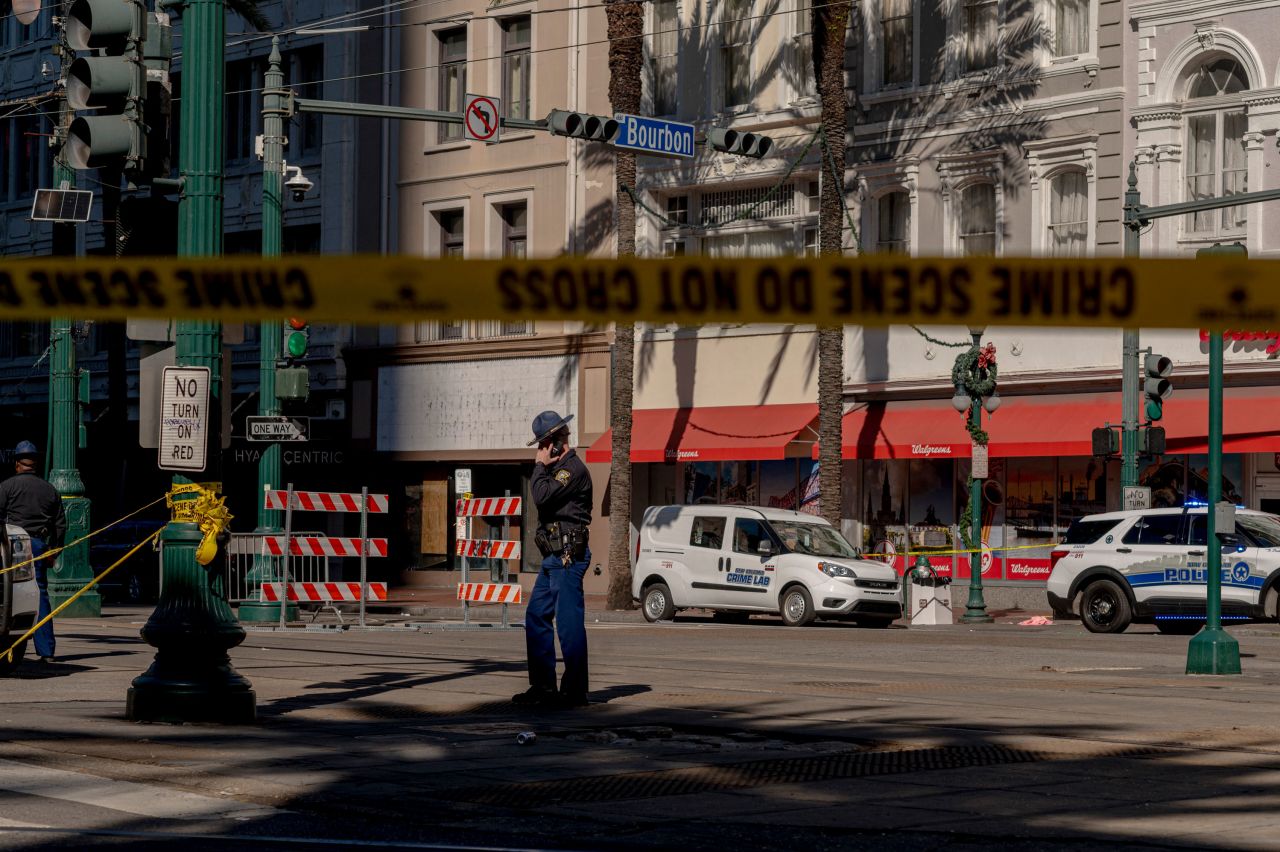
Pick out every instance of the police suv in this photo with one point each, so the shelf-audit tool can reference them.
(1145, 566)
(19, 596)
(745, 559)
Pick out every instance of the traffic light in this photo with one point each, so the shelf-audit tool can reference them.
(297, 334)
(745, 144)
(581, 125)
(1151, 441)
(1157, 387)
(112, 83)
(1106, 441)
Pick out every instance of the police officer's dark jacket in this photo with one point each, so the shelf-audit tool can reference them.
(28, 501)
(562, 491)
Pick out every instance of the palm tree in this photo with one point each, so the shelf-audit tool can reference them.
(830, 24)
(626, 55)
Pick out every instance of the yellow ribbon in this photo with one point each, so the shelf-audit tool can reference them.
(208, 511)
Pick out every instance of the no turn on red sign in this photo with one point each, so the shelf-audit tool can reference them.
(480, 118)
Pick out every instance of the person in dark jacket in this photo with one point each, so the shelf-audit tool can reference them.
(561, 489)
(29, 502)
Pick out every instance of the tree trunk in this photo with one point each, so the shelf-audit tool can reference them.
(830, 23)
(626, 55)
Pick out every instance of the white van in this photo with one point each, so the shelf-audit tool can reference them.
(19, 597)
(746, 559)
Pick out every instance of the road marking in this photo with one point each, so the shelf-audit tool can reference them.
(127, 796)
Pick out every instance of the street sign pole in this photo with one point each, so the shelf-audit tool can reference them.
(192, 627)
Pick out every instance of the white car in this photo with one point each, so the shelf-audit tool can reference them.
(1145, 566)
(19, 597)
(744, 559)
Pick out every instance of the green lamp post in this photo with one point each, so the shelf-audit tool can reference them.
(975, 389)
(193, 627)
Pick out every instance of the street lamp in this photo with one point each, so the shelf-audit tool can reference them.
(970, 386)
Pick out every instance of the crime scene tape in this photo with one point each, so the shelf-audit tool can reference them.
(8, 653)
(962, 552)
(54, 551)
(877, 289)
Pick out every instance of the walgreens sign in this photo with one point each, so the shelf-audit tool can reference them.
(1272, 338)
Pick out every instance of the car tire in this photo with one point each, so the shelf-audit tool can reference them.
(1179, 628)
(873, 623)
(1104, 607)
(7, 668)
(796, 606)
(657, 603)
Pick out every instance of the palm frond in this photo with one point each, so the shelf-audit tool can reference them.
(251, 11)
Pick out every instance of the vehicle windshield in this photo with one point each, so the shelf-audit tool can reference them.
(1264, 529)
(813, 539)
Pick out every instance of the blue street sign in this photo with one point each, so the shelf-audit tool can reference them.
(655, 136)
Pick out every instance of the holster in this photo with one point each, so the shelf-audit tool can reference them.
(577, 543)
(549, 540)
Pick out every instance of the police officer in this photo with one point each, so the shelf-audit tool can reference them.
(29, 502)
(561, 489)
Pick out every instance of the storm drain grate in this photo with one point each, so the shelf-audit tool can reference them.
(760, 773)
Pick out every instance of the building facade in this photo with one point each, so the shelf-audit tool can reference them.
(975, 128)
(448, 396)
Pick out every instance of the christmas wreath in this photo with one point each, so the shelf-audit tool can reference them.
(975, 373)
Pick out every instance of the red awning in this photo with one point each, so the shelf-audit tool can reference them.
(720, 433)
(1059, 425)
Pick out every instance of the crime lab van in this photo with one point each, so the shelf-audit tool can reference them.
(19, 597)
(744, 559)
(1149, 566)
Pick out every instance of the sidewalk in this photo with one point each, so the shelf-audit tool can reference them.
(702, 736)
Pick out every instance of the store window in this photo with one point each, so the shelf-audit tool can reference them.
(453, 78)
(738, 484)
(931, 505)
(778, 484)
(1082, 490)
(1029, 501)
(517, 55)
(701, 483)
(884, 491)
(1232, 478)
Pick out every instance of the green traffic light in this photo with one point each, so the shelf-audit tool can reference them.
(1154, 410)
(297, 344)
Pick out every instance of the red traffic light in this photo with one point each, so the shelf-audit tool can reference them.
(297, 324)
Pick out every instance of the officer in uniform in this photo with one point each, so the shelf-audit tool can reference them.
(29, 502)
(561, 489)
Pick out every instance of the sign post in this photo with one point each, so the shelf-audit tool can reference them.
(184, 418)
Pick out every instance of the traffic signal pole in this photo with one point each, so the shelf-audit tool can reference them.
(192, 627)
(72, 570)
(1129, 364)
(270, 337)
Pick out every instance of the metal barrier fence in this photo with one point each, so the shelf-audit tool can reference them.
(249, 549)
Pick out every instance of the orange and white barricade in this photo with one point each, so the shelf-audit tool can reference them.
(498, 550)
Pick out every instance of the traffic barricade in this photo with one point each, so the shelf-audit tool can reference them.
(291, 545)
(495, 551)
(328, 595)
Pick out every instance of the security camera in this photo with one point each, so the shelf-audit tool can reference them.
(298, 184)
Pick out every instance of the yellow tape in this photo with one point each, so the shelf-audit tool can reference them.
(970, 550)
(866, 290)
(54, 551)
(8, 653)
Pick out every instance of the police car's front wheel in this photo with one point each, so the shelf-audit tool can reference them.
(1104, 608)
(796, 607)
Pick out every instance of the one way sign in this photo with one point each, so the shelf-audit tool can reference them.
(278, 428)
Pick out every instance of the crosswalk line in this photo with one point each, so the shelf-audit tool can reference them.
(139, 799)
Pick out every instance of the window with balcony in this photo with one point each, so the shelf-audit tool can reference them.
(1216, 163)
(1069, 215)
(664, 47)
(452, 45)
(735, 53)
(517, 57)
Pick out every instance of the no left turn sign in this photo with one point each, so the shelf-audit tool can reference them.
(480, 118)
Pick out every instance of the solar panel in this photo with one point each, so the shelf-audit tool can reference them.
(62, 205)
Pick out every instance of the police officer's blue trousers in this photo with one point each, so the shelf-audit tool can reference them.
(558, 594)
(44, 636)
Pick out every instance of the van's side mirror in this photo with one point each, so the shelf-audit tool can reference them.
(765, 547)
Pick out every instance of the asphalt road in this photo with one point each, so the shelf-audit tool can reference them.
(703, 736)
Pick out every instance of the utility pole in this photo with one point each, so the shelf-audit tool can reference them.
(71, 571)
(193, 627)
(269, 335)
